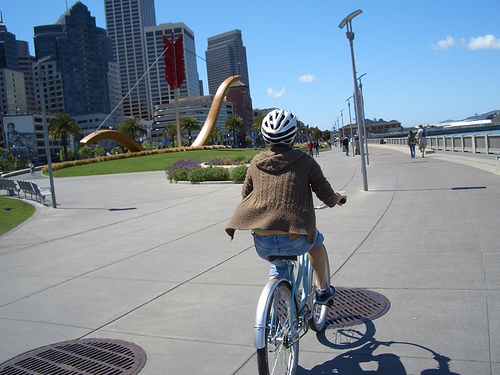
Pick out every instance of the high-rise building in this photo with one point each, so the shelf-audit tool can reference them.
(125, 23)
(8, 49)
(160, 91)
(76, 64)
(12, 87)
(25, 62)
(226, 56)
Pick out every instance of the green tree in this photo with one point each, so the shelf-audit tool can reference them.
(234, 124)
(189, 124)
(256, 125)
(61, 127)
(85, 152)
(99, 151)
(6, 160)
(316, 134)
(303, 131)
(215, 135)
(326, 135)
(117, 150)
(132, 127)
(170, 132)
(71, 156)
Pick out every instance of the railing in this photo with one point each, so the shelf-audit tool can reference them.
(475, 143)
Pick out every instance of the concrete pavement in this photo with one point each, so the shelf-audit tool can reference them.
(136, 258)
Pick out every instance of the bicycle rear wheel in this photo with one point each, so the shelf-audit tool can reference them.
(320, 312)
(278, 357)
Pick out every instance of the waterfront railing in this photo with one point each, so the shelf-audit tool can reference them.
(474, 143)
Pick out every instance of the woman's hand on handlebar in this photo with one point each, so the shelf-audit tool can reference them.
(343, 199)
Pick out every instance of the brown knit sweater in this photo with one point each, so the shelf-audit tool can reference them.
(277, 193)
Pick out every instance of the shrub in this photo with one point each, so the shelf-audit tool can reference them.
(208, 174)
(85, 152)
(179, 170)
(238, 174)
(99, 151)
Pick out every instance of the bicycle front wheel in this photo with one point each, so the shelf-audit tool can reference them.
(279, 356)
(320, 312)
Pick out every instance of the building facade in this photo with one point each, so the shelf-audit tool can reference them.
(8, 49)
(226, 56)
(160, 92)
(125, 23)
(75, 64)
(26, 62)
(198, 107)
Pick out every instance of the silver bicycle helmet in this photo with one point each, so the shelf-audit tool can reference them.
(279, 127)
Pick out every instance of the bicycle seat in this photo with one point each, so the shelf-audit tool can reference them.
(283, 257)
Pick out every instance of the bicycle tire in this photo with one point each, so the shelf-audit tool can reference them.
(320, 312)
(277, 357)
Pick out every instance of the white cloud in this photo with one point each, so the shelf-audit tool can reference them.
(487, 42)
(307, 78)
(445, 43)
(276, 94)
(484, 42)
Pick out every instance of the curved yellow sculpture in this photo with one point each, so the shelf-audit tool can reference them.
(117, 136)
(202, 138)
(204, 135)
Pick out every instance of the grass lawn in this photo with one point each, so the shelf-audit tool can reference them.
(13, 212)
(152, 162)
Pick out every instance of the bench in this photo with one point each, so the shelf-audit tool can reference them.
(26, 188)
(41, 193)
(9, 185)
(31, 188)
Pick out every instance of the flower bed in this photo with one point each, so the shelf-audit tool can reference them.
(216, 170)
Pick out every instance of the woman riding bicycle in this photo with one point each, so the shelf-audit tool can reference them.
(277, 201)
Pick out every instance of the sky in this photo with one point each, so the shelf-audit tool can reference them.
(424, 61)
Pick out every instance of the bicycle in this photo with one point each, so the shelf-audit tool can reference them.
(286, 309)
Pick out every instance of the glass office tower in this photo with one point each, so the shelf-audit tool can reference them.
(125, 23)
(160, 91)
(79, 61)
(226, 56)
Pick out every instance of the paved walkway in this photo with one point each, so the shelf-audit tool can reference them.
(136, 258)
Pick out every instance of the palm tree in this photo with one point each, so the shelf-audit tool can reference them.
(233, 124)
(303, 130)
(257, 123)
(215, 135)
(188, 124)
(170, 131)
(132, 127)
(62, 126)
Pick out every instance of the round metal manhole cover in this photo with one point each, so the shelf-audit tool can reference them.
(79, 357)
(355, 306)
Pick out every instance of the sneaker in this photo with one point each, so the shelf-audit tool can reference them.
(323, 296)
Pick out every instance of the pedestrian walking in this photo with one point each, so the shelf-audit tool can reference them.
(421, 139)
(411, 143)
(345, 144)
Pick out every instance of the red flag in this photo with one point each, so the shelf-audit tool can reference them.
(174, 61)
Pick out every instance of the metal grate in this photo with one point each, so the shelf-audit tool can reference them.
(79, 357)
(354, 306)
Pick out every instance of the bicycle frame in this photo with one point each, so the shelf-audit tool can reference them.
(302, 298)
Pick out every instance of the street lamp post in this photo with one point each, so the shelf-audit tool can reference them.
(362, 99)
(350, 125)
(342, 117)
(350, 35)
(46, 135)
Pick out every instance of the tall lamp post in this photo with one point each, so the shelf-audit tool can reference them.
(350, 35)
(350, 125)
(45, 132)
(362, 99)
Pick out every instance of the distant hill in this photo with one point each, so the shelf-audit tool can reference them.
(483, 116)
